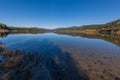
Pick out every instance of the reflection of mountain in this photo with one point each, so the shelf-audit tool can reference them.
(4, 34)
(111, 38)
(1, 47)
(51, 64)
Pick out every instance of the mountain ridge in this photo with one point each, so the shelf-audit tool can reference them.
(108, 28)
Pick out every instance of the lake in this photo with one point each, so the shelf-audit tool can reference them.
(75, 57)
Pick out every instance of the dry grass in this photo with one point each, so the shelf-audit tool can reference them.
(3, 30)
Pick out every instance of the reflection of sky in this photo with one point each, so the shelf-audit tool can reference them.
(44, 42)
(1, 57)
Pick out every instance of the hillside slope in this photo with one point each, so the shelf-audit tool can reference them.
(108, 28)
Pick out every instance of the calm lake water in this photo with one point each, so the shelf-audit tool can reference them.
(96, 58)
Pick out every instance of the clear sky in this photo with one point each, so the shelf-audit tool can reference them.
(58, 13)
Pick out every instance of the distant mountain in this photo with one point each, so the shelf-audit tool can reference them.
(108, 28)
(5, 28)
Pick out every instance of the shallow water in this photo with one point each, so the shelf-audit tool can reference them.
(90, 56)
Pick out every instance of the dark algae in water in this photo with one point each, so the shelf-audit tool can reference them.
(51, 56)
(19, 65)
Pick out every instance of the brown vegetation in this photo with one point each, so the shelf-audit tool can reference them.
(3, 30)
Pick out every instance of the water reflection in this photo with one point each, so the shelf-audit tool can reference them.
(51, 56)
(51, 64)
(4, 34)
(108, 37)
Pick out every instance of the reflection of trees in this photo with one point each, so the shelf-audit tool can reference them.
(50, 64)
(4, 34)
(111, 38)
(1, 47)
(108, 37)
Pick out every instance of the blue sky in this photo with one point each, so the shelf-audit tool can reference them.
(58, 13)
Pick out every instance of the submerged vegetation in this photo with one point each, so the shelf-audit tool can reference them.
(52, 63)
(21, 65)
